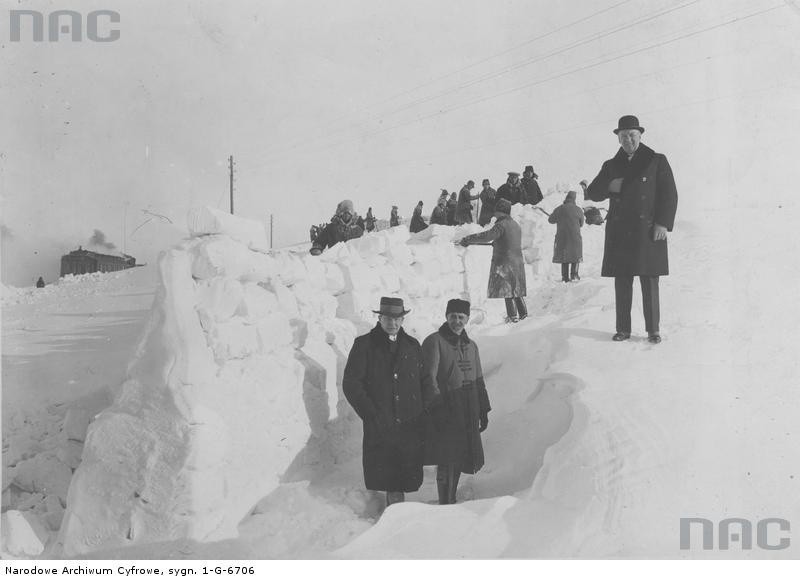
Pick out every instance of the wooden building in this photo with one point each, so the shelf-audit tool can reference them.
(82, 261)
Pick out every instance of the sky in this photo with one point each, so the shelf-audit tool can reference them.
(379, 102)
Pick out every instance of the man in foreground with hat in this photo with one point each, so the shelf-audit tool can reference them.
(532, 193)
(384, 383)
(644, 200)
(460, 406)
(511, 189)
(344, 225)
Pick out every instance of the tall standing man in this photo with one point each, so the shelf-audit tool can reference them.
(460, 405)
(384, 383)
(643, 201)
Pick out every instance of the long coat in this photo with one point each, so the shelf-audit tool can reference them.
(387, 390)
(513, 193)
(453, 364)
(337, 231)
(417, 223)
(464, 209)
(488, 200)
(648, 197)
(452, 205)
(507, 272)
(439, 215)
(568, 245)
(532, 193)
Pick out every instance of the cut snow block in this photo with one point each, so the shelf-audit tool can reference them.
(398, 251)
(334, 279)
(389, 279)
(356, 305)
(233, 339)
(319, 384)
(20, 539)
(224, 256)
(314, 304)
(257, 302)
(218, 298)
(76, 421)
(274, 332)
(360, 277)
(369, 245)
(287, 303)
(207, 220)
(291, 268)
(316, 270)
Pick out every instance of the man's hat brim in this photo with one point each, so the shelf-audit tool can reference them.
(392, 313)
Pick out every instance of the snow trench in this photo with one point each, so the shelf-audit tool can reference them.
(231, 422)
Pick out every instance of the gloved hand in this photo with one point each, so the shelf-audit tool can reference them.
(484, 422)
(316, 251)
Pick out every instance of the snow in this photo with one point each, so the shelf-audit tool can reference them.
(212, 422)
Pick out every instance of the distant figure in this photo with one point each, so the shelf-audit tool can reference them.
(439, 215)
(644, 200)
(464, 207)
(40, 282)
(452, 204)
(568, 245)
(488, 198)
(511, 189)
(394, 219)
(507, 272)
(532, 193)
(344, 225)
(417, 222)
(370, 221)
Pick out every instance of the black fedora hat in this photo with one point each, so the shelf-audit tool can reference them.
(628, 122)
(391, 307)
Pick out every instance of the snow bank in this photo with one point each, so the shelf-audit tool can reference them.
(241, 364)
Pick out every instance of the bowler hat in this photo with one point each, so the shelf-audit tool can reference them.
(628, 122)
(457, 305)
(391, 307)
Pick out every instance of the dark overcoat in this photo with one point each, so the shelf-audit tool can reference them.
(568, 245)
(488, 199)
(648, 197)
(337, 231)
(532, 193)
(507, 272)
(459, 400)
(439, 215)
(387, 389)
(513, 193)
(417, 223)
(464, 209)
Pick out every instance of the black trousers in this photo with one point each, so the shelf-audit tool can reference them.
(515, 308)
(566, 276)
(623, 286)
(447, 476)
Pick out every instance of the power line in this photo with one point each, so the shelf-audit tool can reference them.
(462, 69)
(555, 77)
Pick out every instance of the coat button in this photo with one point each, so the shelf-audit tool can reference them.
(397, 420)
(397, 397)
(395, 376)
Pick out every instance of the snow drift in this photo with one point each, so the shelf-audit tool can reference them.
(241, 364)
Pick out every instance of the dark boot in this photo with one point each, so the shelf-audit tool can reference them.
(574, 274)
(565, 272)
(522, 309)
(394, 497)
(447, 483)
(511, 311)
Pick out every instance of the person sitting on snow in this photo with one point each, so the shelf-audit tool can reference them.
(417, 221)
(344, 225)
(439, 215)
(459, 409)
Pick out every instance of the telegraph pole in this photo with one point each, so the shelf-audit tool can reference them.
(230, 168)
(271, 227)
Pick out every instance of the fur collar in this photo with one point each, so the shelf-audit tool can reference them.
(451, 336)
(636, 166)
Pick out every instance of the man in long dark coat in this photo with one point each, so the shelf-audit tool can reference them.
(642, 209)
(460, 404)
(384, 382)
(452, 205)
(344, 225)
(394, 218)
(464, 209)
(532, 193)
(488, 198)
(507, 272)
(568, 245)
(511, 189)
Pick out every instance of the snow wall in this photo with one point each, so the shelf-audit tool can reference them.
(241, 363)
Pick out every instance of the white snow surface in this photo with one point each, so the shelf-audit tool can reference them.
(199, 403)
